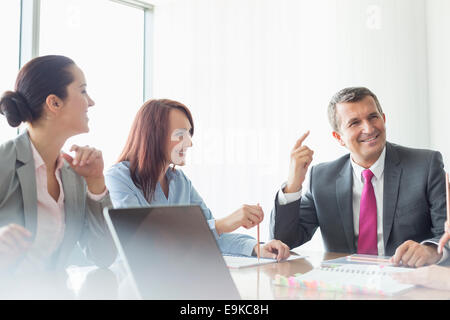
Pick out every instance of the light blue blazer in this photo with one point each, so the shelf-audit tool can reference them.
(125, 194)
(84, 221)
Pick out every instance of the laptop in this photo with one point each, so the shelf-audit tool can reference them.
(170, 253)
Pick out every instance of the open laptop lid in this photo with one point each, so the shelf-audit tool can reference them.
(171, 253)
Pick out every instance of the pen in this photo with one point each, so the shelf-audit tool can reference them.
(368, 259)
(257, 230)
(444, 238)
(447, 195)
(257, 236)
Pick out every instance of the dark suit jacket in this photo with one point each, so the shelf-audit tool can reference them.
(414, 202)
(84, 219)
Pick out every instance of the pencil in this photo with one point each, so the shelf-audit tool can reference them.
(447, 192)
(257, 231)
(367, 259)
(257, 236)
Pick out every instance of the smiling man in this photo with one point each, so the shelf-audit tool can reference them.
(380, 199)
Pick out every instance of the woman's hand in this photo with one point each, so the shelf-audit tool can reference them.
(274, 249)
(88, 163)
(436, 277)
(246, 216)
(15, 241)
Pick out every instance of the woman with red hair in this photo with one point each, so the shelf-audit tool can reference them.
(145, 175)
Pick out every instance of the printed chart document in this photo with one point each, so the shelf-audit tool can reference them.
(361, 259)
(235, 261)
(356, 278)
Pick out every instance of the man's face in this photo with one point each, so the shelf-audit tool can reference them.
(361, 130)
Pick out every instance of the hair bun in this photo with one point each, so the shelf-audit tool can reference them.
(14, 106)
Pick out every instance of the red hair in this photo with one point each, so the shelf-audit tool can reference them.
(145, 148)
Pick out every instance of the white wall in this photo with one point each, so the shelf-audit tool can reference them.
(256, 74)
(438, 13)
(382, 44)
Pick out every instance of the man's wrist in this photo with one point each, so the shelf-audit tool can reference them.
(432, 248)
(291, 189)
(286, 198)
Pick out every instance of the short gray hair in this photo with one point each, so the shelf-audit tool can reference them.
(353, 94)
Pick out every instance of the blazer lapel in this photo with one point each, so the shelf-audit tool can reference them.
(392, 175)
(344, 187)
(27, 179)
(73, 216)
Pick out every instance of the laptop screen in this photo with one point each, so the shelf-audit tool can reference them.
(171, 253)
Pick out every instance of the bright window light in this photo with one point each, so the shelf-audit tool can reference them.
(106, 40)
(9, 62)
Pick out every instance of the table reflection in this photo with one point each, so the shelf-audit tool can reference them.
(83, 283)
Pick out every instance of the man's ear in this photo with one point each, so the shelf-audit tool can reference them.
(337, 136)
(54, 103)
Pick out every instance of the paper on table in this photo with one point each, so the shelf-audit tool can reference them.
(370, 279)
(236, 262)
(362, 259)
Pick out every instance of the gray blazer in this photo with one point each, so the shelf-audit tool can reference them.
(414, 204)
(84, 219)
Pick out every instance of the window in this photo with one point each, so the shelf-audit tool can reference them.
(9, 63)
(106, 40)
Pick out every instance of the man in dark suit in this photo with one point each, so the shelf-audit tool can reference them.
(381, 199)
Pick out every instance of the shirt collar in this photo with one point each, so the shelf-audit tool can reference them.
(39, 162)
(377, 168)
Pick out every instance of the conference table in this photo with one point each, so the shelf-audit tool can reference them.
(257, 282)
(253, 283)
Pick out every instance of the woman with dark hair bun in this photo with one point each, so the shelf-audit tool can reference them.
(15, 108)
(145, 175)
(49, 200)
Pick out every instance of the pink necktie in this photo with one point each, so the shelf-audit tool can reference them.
(367, 239)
